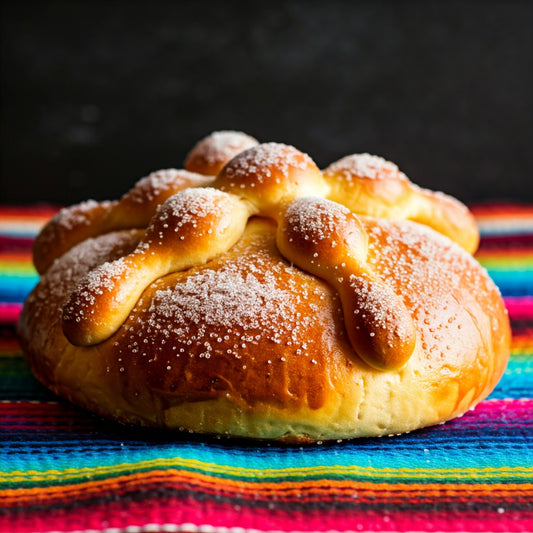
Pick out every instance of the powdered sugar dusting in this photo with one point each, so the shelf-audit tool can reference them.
(100, 280)
(249, 301)
(315, 218)
(265, 159)
(160, 182)
(189, 206)
(379, 302)
(226, 298)
(78, 215)
(365, 166)
(67, 271)
(430, 273)
(221, 146)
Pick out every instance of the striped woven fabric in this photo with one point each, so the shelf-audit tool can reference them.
(64, 470)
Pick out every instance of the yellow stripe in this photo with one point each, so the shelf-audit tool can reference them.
(366, 472)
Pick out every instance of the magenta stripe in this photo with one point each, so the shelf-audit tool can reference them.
(178, 511)
(9, 312)
(519, 307)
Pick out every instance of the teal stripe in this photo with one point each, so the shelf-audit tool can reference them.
(421, 454)
(14, 288)
(517, 380)
(513, 282)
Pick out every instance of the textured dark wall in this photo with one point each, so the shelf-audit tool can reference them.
(97, 94)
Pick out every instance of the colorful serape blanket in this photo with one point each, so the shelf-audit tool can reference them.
(65, 470)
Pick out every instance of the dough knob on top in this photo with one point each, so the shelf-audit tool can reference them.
(270, 176)
(74, 224)
(370, 185)
(210, 154)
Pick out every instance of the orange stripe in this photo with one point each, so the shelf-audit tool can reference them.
(16, 257)
(502, 211)
(505, 255)
(522, 343)
(246, 488)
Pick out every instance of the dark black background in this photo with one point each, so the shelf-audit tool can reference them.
(96, 95)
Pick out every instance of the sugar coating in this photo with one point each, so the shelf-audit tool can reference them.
(242, 300)
(247, 298)
(77, 215)
(70, 218)
(430, 272)
(226, 297)
(377, 322)
(315, 218)
(220, 146)
(152, 186)
(365, 166)
(264, 158)
(190, 204)
(99, 280)
(182, 214)
(424, 257)
(377, 300)
(82, 260)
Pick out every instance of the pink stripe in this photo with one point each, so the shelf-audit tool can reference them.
(188, 511)
(10, 312)
(519, 307)
(178, 510)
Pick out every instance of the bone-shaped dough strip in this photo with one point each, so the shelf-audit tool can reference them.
(135, 209)
(74, 224)
(329, 241)
(189, 229)
(370, 185)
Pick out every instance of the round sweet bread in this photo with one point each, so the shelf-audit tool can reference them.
(270, 300)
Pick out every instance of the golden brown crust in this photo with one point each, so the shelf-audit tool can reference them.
(211, 154)
(249, 345)
(370, 185)
(74, 224)
(328, 240)
(259, 306)
(188, 229)
(271, 175)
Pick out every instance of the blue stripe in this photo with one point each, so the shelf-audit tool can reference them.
(15, 289)
(394, 453)
(513, 282)
(516, 382)
(445, 446)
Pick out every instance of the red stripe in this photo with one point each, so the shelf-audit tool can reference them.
(501, 209)
(26, 212)
(186, 510)
(15, 244)
(505, 242)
